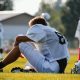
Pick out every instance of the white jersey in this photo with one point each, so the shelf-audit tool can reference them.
(49, 42)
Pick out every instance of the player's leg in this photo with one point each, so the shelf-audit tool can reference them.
(11, 57)
(37, 60)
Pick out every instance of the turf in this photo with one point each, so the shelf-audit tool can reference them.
(7, 75)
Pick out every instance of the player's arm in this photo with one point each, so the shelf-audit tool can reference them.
(20, 39)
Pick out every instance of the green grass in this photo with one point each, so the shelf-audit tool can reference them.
(7, 75)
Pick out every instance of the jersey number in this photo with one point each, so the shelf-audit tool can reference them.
(61, 38)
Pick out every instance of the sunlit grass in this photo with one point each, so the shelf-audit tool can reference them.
(38, 76)
(7, 75)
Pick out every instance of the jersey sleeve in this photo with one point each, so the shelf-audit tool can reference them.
(36, 33)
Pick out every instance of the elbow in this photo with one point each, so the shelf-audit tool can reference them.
(17, 38)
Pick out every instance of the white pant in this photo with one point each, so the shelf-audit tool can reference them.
(37, 60)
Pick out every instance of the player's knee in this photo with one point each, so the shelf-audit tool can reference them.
(17, 38)
(21, 45)
(25, 47)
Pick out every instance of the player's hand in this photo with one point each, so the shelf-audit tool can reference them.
(17, 41)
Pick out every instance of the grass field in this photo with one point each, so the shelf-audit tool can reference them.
(7, 75)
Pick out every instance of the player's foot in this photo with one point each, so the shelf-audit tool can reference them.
(18, 69)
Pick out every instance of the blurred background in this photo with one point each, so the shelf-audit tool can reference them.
(15, 14)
